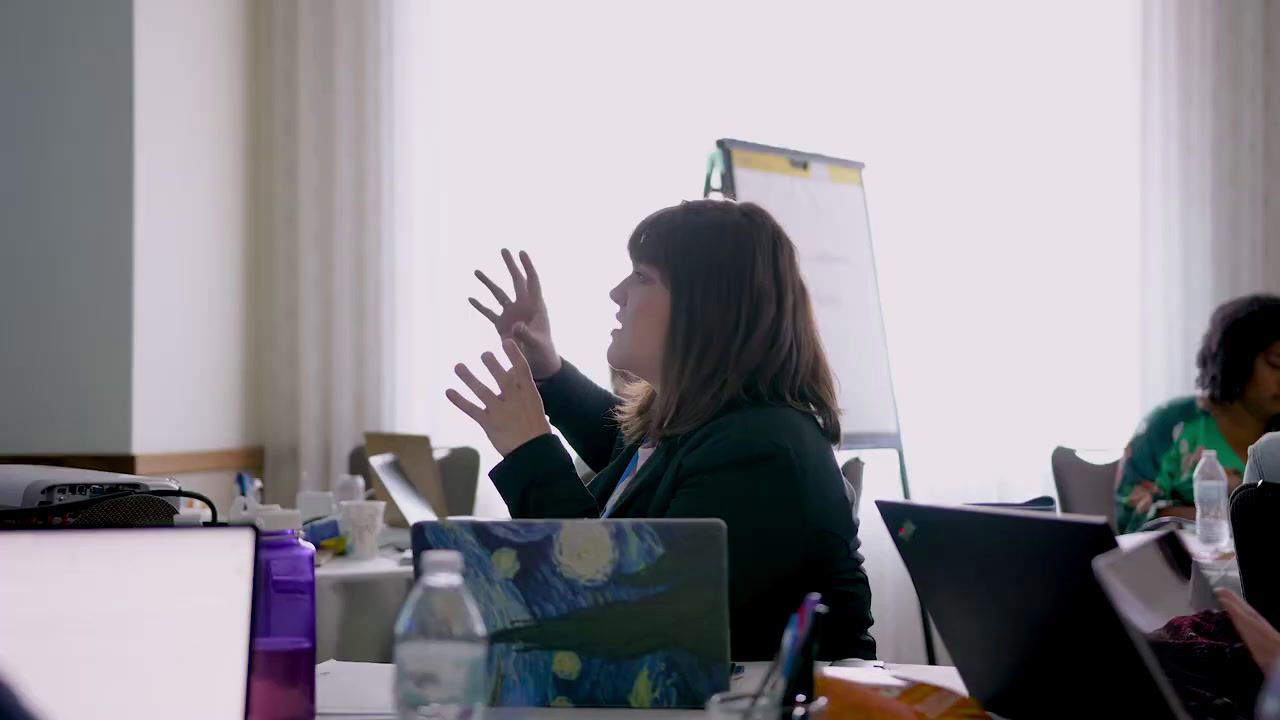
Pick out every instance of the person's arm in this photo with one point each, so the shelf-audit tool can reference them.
(1258, 635)
(1186, 512)
(1136, 489)
(756, 487)
(749, 492)
(538, 480)
(583, 412)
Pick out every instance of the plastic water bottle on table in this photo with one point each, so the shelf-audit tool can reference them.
(1212, 511)
(442, 647)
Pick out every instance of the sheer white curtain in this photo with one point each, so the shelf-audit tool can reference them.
(324, 214)
(1002, 171)
(1210, 173)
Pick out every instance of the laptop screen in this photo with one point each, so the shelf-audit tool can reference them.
(130, 623)
(1161, 593)
(1153, 582)
(412, 505)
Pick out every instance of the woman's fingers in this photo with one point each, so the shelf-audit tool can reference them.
(1247, 620)
(517, 278)
(489, 315)
(518, 362)
(1237, 608)
(1259, 636)
(534, 282)
(481, 390)
(498, 293)
(495, 368)
(471, 409)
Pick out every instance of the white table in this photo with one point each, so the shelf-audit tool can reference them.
(356, 606)
(367, 686)
(1219, 568)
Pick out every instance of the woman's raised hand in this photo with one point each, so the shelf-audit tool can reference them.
(524, 318)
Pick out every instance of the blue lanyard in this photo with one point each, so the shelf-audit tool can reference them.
(628, 475)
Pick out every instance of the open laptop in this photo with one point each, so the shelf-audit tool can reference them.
(132, 623)
(1149, 584)
(1015, 600)
(412, 505)
(597, 613)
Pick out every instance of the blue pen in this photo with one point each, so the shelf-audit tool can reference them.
(242, 483)
(789, 638)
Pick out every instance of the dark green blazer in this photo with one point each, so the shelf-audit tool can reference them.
(767, 471)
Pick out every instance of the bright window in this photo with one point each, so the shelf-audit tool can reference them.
(1001, 150)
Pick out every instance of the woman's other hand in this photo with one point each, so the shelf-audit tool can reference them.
(513, 415)
(523, 319)
(1262, 640)
(1142, 495)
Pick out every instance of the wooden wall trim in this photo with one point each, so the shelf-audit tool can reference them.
(250, 459)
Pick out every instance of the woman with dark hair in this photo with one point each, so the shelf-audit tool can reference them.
(733, 416)
(1239, 380)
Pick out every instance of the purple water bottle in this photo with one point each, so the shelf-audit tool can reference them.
(282, 684)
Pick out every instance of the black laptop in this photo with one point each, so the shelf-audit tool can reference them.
(1014, 597)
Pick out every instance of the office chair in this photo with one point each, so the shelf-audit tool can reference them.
(852, 472)
(1255, 508)
(1084, 488)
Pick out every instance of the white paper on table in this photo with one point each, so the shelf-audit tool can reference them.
(354, 688)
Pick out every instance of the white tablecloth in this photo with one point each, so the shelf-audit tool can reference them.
(356, 606)
(1218, 568)
(343, 690)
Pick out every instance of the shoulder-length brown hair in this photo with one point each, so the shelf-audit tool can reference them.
(741, 330)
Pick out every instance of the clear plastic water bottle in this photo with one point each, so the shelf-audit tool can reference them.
(442, 647)
(1212, 512)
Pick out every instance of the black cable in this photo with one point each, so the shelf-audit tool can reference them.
(82, 504)
(213, 511)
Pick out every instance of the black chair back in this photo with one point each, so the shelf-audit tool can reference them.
(1255, 522)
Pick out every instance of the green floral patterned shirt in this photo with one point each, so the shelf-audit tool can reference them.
(1165, 451)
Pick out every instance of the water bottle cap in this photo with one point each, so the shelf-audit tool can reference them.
(444, 561)
(277, 519)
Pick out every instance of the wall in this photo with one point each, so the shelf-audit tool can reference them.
(66, 259)
(124, 239)
(191, 385)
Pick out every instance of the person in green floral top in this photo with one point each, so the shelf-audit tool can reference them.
(1239, 401)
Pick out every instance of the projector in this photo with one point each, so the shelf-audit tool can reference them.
(31, 486)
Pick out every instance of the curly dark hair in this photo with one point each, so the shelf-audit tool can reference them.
(1239, 331)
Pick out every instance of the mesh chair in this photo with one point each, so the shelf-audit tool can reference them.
(1254, 509)
(1083, 487)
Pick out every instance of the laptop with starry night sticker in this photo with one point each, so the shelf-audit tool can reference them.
(596, 613)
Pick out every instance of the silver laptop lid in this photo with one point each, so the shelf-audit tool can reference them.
(412, 505)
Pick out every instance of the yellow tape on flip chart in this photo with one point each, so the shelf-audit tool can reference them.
(766, 162)
(845, 175)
